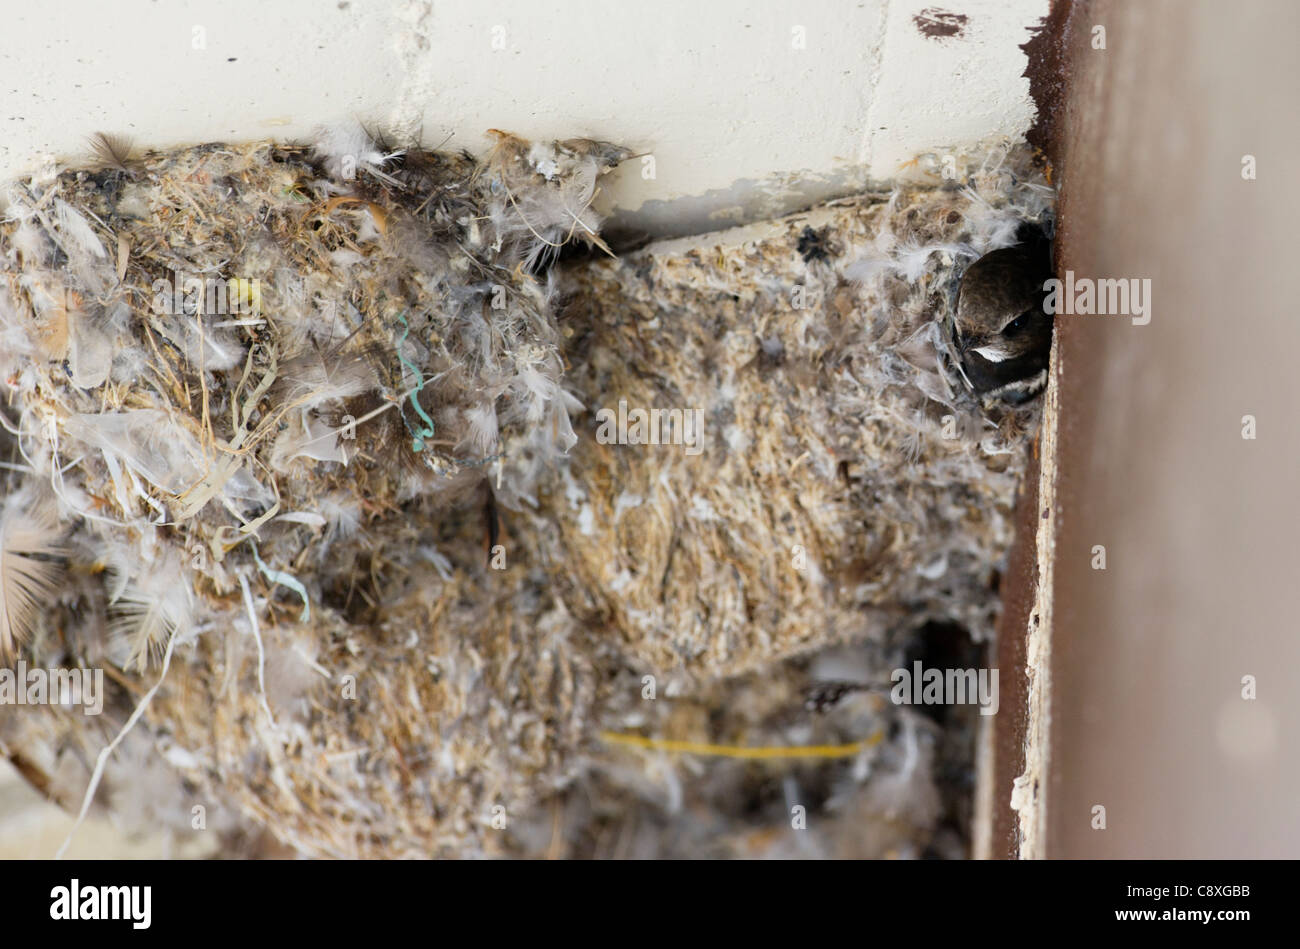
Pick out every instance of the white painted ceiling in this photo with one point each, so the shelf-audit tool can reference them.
(748, 109)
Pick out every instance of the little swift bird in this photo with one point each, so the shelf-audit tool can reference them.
(1004, 334)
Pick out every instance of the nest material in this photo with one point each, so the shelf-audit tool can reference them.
(387, 322)
(851, 488)
(849, 484)
(350, 675)
(812, 742)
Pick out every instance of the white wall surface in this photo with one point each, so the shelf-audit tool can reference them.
(750, 108)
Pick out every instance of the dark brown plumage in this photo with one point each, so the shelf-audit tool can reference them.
(1003, 332)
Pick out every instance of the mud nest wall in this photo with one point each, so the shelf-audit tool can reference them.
(371, 511)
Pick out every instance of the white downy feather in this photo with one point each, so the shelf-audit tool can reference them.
(76, 229)
(313, 379)
(154, 605)
(347, 149)
(483, 431)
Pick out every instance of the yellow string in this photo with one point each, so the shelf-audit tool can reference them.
(741, 751)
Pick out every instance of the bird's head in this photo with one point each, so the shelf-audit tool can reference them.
(1003, 333)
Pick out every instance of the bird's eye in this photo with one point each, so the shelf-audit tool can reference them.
(1017, 325)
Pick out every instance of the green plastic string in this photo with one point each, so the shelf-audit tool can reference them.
(418, 435)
